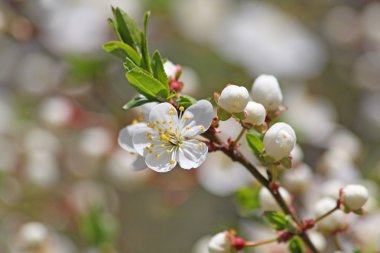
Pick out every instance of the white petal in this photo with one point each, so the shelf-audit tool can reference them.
(164, 163)
(139, 164)
(141, 140)
(192, 155)
(197, 118)
(126, 136)
(163, 114)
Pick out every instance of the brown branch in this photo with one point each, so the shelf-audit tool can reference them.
(237, 156)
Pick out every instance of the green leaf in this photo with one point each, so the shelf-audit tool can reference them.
(356, 250)
(255, 143)
(147, 85)
(144, 44)
(223, 115)
(186, 101)
(295, 245)
(247, 198)
(158, 67)
(277, 219)
(126, 28)
(122, 50)
(239, 115)
(137, 101)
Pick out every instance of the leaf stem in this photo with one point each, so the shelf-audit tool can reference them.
(239, 136)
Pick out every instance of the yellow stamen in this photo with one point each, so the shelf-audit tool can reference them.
(202, 128)
(134, 122)
(181, 108)
(157, 155)
(186, 117)
(172, 162)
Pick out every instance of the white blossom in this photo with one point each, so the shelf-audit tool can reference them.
(334, 221)
(279, 140)
(125, 142)
(354, 196)
(254, 113)
(168, 138)
(266, 91)
(220, 243)
(234, 98)
(268, 203)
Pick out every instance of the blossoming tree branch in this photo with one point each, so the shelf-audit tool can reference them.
(178, 131)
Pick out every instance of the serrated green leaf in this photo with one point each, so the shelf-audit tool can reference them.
(277, 219)
(223, 115)
(126, 28)
(247, 198)
(144, 45)
(255, 143)
(158, 67)
(186, 101)
(122, 50)
(296, 245)
(148, 86)
(137, 101)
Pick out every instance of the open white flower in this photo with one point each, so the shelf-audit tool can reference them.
(168, 138)
(125, 142)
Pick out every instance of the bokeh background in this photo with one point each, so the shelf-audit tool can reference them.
(61, 101)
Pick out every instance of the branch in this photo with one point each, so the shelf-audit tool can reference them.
(237, 156)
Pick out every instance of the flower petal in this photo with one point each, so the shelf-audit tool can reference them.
(141, 140)
(126, 136)
(163, 115)
(161, 161)
(196, 119)
(192, 155)
(139, 163)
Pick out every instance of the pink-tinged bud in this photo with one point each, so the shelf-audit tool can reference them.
(238, 243)
(175, 86)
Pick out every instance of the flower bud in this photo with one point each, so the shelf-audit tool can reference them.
(254, 113)
(266, 91)
(334, 221)
(279, 140)
(298, 180)
(268, 203)
(220, 243)
(171, 70)
(354, 196)
(233, 98)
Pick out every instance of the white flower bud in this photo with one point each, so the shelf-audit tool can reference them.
(254, 113)
(220, 243)
(171, 69)
(268, 203)
(297, 155)
(234, 98)
(266, 91)
(279, 140)
(334, 221)
(354, 196)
